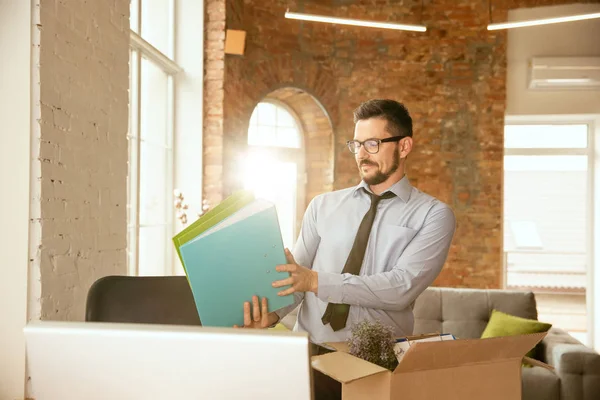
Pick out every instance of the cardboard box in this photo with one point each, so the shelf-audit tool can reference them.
(451, 370)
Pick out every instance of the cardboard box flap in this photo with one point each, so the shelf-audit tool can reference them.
(537, 363)
(344, 367)
(447, 354)
(339, 346)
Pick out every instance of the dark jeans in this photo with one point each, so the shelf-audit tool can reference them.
(324, 387)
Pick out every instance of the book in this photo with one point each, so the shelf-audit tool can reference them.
(232, 256)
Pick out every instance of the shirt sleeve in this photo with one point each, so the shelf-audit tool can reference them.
(416, 269)
(305, 250)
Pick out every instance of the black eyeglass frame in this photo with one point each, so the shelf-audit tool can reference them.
(378, 141)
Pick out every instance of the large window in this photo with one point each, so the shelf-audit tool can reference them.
(159, 29)
(547, 217)
(274, 168)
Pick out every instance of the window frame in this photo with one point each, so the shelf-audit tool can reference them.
(140, 48)
(592, 207)
(289, 110)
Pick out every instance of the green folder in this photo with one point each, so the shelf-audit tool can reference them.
(235, 259)
(223, 210)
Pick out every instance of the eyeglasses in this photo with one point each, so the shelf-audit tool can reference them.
(371, 145)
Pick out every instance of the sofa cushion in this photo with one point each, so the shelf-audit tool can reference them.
(518, 303)
(465, 312)
(540, 384)
(428, 312)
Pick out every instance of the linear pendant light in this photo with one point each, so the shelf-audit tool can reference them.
(546, 21)
(354, 22)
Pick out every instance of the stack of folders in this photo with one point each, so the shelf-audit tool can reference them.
(403, 344)
(229, 254)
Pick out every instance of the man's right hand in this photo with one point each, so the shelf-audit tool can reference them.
(260, 317)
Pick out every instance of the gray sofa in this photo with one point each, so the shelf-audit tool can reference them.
(465, 313)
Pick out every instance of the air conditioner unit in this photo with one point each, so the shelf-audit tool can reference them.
(564, 73)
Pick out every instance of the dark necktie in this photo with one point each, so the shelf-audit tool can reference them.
(337, 314)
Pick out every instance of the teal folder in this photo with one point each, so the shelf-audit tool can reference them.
(234, 260)
(223, 210)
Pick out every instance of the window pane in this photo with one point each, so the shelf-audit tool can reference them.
(131, 250)
(253, 139)
(279, 189)
(285, 119)
(154, 103)
(545, 207)
(545, 163)
(525, 234)
(267, 114)
(153, 184)
(288, 137)
(156, 24)
(545, 136)
(132, 187)
(153, 242)
(284, 196)
(272, 125)
(263, 136)
(134, 16)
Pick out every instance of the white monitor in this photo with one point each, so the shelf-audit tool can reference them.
(93, 361)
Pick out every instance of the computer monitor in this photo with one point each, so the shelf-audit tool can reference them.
(86, 360)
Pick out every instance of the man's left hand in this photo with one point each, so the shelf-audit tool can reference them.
(302, 279)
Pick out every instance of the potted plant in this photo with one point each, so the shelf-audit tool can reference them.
(373, 342)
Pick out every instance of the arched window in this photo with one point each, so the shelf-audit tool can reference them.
(274, 168)
(272, 125)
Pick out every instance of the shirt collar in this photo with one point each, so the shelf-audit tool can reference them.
(402, 188)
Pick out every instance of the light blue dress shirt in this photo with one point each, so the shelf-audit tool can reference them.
(408, 246)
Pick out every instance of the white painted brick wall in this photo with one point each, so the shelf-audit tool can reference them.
(80, 227)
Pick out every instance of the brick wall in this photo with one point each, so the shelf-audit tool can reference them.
(214, 47)
(452, 78)
(79, 216)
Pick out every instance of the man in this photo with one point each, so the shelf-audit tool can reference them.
(365, 252)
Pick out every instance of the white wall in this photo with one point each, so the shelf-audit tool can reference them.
(573, 39)
(80, 152)
(64, 70)
(15, 49)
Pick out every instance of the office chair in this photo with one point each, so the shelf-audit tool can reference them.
(142, 299)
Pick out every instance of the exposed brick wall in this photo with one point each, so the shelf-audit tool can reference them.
(452, 78)
(214, 74)
(256, 80)
(79, 214)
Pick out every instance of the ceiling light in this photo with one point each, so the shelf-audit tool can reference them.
(354, 22)
(570, 80)
(509, 25)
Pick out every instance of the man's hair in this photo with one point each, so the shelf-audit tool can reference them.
(399, 122)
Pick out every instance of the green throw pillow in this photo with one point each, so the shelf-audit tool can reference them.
(502, 324)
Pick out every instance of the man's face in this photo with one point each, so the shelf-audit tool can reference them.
(376, 168)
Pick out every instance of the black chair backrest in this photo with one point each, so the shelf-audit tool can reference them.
(142, 299)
